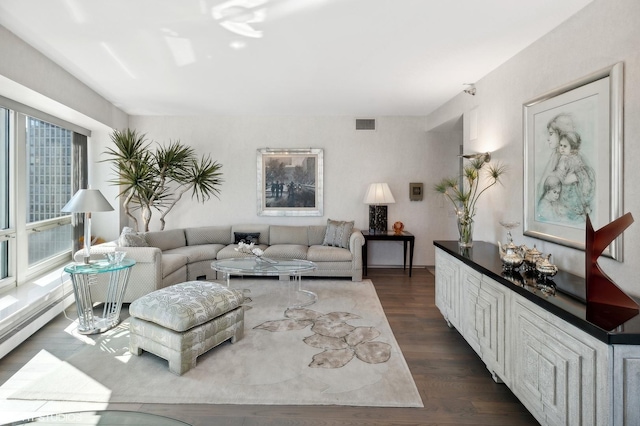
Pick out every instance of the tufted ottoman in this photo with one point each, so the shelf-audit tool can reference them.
(183, 321)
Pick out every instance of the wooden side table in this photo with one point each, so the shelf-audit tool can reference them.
(405, 237)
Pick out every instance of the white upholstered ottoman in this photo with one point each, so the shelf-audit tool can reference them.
(183, 321)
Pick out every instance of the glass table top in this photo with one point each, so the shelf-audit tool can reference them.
(98, 267)
(255, 266)
(107, 417)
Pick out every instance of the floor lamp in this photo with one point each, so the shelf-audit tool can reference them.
(87, 201)
(378, 196)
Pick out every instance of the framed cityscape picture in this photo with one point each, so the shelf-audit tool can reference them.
(572, 160)
(290, 182)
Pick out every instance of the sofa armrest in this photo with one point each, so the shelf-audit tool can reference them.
(356, 241)
(139, 254)
(97, 251)
(145, 276)
(143, 254)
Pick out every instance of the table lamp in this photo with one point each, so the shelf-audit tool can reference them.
(87, 201)
(378, 195)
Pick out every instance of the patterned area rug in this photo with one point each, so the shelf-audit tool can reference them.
(339, 350)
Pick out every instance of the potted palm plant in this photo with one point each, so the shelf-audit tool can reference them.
(157, 179)
(465, 192)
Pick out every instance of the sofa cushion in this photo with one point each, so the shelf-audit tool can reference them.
(338, 233)
(246, 237)
(328, 254)
(186, 305)
(288, 235)
(172, 262)
(262, 229)
(131, 238)
(208, 235)
(316, 234)
(287, 251)
(166, 240)
(199, 252)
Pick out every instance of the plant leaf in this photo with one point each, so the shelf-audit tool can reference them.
(332, 328)
(334, 358)
(325, 342)
(283, 325)
(362, 334)
(302, 314)
(373, 352)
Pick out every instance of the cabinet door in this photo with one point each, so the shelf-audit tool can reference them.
(493, 309)
(472, 308)
(626, 385)
(559, 371)
(448, 288)
(485, 313)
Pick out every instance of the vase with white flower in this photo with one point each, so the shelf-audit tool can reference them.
(465, 192)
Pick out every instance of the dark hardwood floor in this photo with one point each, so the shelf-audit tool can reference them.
(455, 387)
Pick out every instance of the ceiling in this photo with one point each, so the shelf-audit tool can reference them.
(281, 57)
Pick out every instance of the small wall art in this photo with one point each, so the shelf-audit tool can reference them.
(415, 191)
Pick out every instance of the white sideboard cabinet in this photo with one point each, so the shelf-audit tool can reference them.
(564, 367)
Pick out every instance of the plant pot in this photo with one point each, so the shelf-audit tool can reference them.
(465, 231)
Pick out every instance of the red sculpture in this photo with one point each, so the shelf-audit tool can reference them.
(607, 305)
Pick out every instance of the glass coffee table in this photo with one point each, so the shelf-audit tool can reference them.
(254, 266)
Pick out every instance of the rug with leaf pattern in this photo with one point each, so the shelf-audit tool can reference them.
(339, 350)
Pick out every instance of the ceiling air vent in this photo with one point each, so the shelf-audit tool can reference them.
(365, 124)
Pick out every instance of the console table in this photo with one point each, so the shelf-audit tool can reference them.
(405, 237)
(565, 364)
(83, 276)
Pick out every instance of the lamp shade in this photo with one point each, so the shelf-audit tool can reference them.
(379, 193)
(86, 201)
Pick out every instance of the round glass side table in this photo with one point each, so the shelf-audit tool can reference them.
(84, 275)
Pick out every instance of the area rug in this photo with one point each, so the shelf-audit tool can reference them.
(340, 350)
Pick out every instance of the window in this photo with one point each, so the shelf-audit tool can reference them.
(49, 187)
(40, 171)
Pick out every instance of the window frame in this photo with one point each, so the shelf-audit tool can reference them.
(17, 234)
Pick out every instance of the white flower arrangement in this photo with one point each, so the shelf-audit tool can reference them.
(249, 249)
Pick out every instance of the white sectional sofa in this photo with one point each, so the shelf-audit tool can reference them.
(179, 255)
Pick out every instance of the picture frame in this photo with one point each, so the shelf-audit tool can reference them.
(415, 191)
(573, 159)
(290, 182)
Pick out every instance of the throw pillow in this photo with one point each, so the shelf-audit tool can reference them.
(130, 238)
(246, 237)
(338, 233)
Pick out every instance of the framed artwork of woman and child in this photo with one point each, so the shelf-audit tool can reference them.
(572, 162)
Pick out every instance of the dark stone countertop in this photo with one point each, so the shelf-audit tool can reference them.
(567, 300)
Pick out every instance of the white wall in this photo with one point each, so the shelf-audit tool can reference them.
(396, 153)
(602, 34)
(28, 77)
(46, 84)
